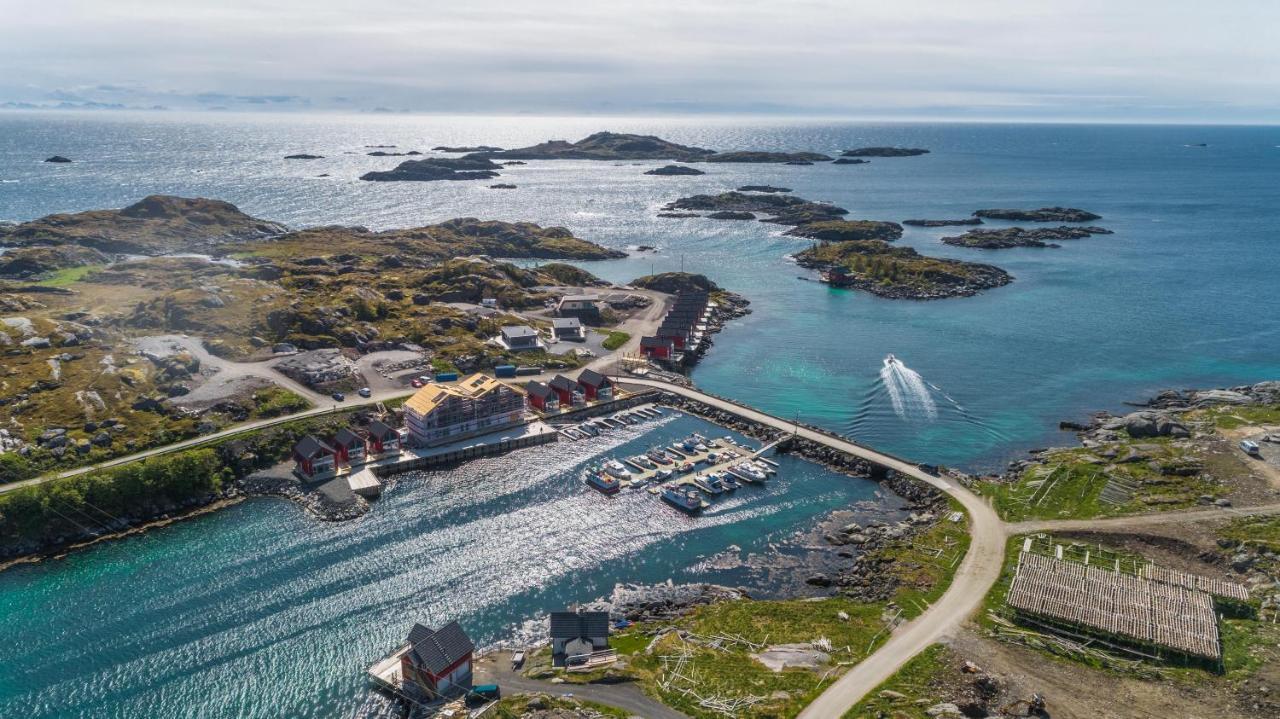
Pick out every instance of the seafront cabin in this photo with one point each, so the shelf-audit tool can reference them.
(313, 458)
(383, 438)
(679, 336)
(568, 328)
(478, 404)
(576, 635)
(657, 347)
(438, 663)
(835, 275)
(598, 387)
(489, 303)
(571, 393)
(349, 447)
(542, 397)
(584, 307)
(520, 337)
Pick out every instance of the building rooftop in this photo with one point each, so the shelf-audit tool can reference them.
(432, 395)
(347, 438)
(572, 625)
(436, 651)
(538, 389)
(511, 331)
(562, 382)
(580, 298)
(381, 431)
(309, 447)
(566, 323)
(592, 377)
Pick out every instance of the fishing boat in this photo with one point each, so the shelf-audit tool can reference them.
(682, 498)
(604, 482)
(664, 474)
(753, 471)
(686, 468)
(588, 429)
(616, 468)
(643, 461)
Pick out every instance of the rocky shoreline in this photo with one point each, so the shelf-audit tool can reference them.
(1005, 238)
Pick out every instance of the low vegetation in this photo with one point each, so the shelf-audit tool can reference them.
(883, 269)
(615, 339)
(898, 696)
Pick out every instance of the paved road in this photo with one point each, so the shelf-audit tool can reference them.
(977, 572)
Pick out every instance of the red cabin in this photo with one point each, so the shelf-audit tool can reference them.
(657, 347)
(597, 386)
(314, 458)
(542, 397)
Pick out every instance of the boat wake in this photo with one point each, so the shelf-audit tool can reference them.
(908, 391)
(902, 395)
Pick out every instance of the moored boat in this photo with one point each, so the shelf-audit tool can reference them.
(604, 482)
(683, 498)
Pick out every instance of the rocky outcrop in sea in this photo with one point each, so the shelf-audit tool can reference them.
(675, 170)
(1044, 214)
(885, 152)
(1008, 237)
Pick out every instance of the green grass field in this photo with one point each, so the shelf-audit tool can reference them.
(615, 340)
(68, 276)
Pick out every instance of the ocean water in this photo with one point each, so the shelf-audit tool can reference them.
(258, 611)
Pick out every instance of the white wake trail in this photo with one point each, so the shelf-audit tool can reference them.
(908, 391)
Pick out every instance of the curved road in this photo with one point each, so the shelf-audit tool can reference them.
(976, 574)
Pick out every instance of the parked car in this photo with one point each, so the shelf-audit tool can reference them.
(365, 392)
(416, 383)
(339, 397)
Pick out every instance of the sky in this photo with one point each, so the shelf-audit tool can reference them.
(1109, 60)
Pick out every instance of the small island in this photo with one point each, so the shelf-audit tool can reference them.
(465, 148)
(502, 186)
(1008, 237)
(1044, 214)
(675, 170)
(848, 230)
(885, 152)
(849, 161)
(384, 153)
(731, 215)
(304, 156)
(603, 146)
(781, 209)
(891, 272)
(437, 168)
(944, 223)
(763, 188)
(59, 159)
(767, 157)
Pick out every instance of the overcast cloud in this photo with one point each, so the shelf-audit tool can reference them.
(1028, 59)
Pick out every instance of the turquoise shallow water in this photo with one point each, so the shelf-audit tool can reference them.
(257, 611)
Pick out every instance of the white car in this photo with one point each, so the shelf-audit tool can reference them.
(365, 392)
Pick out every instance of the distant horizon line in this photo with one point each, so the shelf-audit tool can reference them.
(793, 117)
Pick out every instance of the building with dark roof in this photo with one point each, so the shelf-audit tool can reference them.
(383, 438)
(314, 458)
(438, 662)
(542, 397)
(350, 448)
(598, 388)
(657, 347)
(570, 392)
(520, 337)
(577, 635)
(568, 328)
